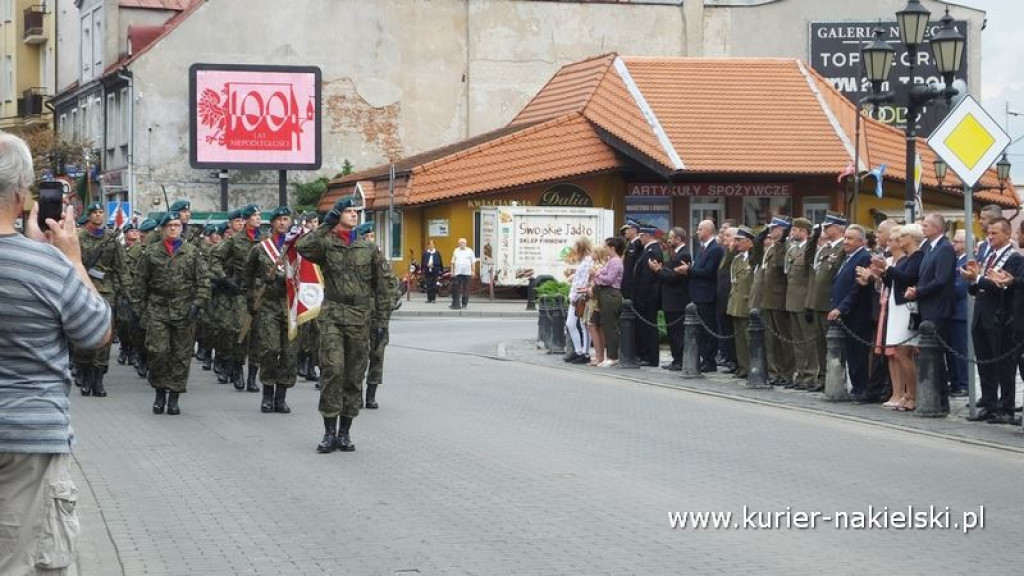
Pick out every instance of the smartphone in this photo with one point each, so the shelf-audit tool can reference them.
(51, 202)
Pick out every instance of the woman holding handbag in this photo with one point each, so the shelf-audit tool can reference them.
(574, 322)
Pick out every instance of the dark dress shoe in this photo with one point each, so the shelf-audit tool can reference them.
(647, 364)
(708, 368)
(729, 369)
(580, 359)
(673, 367)
(570, 357)
(982, 415)
(958, 393)
(740, 375)
(1002, 418)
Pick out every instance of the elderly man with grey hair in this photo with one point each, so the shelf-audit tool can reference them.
(47, 300)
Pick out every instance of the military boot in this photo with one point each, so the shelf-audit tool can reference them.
(85, 377)
(371, 396)
(142, 367)
(344, 441)
(330, 440)
(280, 406)
(311, 372)
(172, 404)
(133, 357)
(208, 359)
(122, 355)
(267, 405)
(235, 368)
(250, 382)
(97, 383)
(161, 401)
(302, 369)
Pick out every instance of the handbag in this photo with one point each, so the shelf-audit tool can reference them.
(580, 306)
(915, 316)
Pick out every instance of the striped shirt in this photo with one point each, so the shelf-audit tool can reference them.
(43, 306)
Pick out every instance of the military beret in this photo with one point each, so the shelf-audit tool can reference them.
(365, 228)
(83, 219)
(180, 205)
(147, 225)
(235, 214)
(310, 215)
(129, 226)
(168, 218)
(222, 228)
(280, 211)
(803, 223)
(210, 229)
(780, 221)
(347, 202)
(249, 210)
(744, 232)
(94, 207)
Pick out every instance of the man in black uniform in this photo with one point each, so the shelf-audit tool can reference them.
(647, 297)
(675, 294)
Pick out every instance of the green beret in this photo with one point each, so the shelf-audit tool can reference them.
(347, 202)
(210, 229)
(147, 225)
(249, 210)
(94, 207)
(364, 228)
(181, 205)
(168, 218)
(83, 219)
(280, 211)
(222, 228)
(129, 226)
(235, 214)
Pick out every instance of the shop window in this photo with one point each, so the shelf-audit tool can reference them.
(396, 235)
(758, 210)
(476, 234)
(815, 208)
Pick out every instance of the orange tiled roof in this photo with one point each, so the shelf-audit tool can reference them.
(676, 116)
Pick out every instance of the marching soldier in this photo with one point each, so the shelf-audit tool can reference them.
(173, 287)
(826, 260)
(125, 312)
(228, 272)
(773, 303)
(379, 332)
(205, 336)
(355, 294)
(798, 267)
(741, 276)
(222, 302)
(105, 261)
(267, 277)
(309, 332)
(134, 255)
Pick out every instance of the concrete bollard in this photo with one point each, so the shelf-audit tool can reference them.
(557, 315)
(691, 346)
(627, 336)
(531, 295)
(544, 324)
(929, 373)
(758, 374)
(835, 365)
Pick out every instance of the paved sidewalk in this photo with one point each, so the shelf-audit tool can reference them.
(724, 385)
(479, 307)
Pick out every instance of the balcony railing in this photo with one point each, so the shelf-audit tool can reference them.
(31, 102)
(35, 32)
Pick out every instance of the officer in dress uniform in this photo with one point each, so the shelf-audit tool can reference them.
(106, 263)
(797, 269)
(773, 304)
(172, 287)
(826, 260)
(355, 295)
(741, 277)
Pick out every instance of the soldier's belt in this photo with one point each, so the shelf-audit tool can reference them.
(351, 300)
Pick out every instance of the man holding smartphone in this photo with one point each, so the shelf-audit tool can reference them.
(106, 264)
(48, 301)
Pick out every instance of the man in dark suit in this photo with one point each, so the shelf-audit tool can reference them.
(958, 330)
(935, 292)
(631, 232)
(992, 328)
(675, 294)
(431, 265)
(703, 281)
(985, 216)
(851, 303)
(647, 297)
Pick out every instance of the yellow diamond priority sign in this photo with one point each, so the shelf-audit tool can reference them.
(969, 140)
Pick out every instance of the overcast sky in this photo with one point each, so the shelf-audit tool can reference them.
(1002, 69)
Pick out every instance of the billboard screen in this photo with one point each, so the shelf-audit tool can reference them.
(254, 117)
(835, 53)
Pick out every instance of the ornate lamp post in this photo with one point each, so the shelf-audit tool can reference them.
(947, 49)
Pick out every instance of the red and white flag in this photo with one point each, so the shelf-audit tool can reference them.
(304, 283)
(120, 218)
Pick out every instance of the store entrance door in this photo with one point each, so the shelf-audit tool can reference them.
(705, 209)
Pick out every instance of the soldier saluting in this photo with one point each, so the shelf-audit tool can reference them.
(355, 294)
(173, 287)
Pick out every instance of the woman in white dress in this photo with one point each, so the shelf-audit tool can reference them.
(574, 322)
(901, 272)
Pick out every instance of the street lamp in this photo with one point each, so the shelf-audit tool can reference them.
(947, 49)
(1002, 172)
(940, 170)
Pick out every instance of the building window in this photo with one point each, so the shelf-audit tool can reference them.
(7, 7)
(86, 56)
(8, 78)
(758, 210)
(97, 41)
(396, 235)
(815, 208)
(126, 105)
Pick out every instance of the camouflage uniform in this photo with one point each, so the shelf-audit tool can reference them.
(106, 263)
(275, 350)
(380, 335)
(228, 271)
(356, 293)
(168, 287)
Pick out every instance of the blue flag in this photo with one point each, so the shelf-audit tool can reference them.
(877, 173)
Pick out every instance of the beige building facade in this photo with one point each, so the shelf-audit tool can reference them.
(27, 64)
(404, 76)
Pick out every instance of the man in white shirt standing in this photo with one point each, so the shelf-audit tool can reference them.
(462, 270)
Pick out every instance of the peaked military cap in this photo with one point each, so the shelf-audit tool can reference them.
(249, 210)
(280, 211)
(835, 219)
(629, 224)
(744, 232)
(147, 225)
(93, 207)
(180, 205)
(780, 221)
(647, 228)
(364, 228)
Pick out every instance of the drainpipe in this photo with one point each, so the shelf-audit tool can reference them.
(126, 75)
